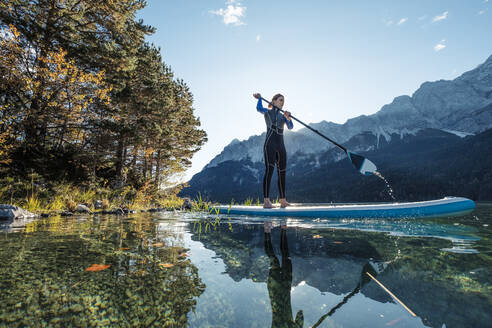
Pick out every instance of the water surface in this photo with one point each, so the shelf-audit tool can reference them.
(191, 270)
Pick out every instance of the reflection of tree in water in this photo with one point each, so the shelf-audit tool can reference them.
(44, 281)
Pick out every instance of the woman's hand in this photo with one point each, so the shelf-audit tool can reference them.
(257, 95)
(287, 115)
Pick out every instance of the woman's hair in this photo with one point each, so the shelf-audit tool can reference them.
(278, 95)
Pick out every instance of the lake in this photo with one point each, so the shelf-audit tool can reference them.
(177, 269)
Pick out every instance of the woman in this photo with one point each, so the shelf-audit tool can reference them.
(274, 148)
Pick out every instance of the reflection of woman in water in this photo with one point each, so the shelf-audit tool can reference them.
(280, 282)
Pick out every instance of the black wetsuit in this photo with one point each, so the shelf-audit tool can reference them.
(274, 148)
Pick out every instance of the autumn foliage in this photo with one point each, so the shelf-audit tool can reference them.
(84, 99)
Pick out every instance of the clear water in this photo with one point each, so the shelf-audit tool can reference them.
(190, 270)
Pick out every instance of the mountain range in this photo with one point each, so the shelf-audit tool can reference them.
(418, 143)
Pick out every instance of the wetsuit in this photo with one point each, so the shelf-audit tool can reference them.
(274, 148)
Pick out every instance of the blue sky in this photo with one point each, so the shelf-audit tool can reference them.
(332, 60)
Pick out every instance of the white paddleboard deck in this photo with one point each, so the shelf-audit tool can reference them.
(448, 206)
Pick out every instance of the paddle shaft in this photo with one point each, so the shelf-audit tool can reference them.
(307, 126)
(392, 295)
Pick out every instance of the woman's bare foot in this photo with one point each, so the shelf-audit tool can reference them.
(267, 203)
(283, 203)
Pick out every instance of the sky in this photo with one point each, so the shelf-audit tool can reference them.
(332, 60)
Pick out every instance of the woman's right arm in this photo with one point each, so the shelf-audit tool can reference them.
(259, 105)
(260, 108)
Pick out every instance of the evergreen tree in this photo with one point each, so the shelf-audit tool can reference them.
(84, 97)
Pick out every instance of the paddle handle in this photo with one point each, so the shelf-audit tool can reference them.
(307, 126)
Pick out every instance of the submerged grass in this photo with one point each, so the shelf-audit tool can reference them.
(156, 285)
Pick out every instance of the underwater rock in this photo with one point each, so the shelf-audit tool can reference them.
(14, 212)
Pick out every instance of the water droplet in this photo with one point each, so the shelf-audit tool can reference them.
(388, 187)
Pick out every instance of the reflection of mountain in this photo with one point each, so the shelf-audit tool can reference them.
(333, 260)
(327, 264)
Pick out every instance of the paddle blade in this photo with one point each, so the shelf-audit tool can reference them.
(362, 164)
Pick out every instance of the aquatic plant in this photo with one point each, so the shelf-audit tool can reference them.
(32, 204)
(211, 221)
(200, 205)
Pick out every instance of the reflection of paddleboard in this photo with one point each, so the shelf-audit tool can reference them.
(432, 208)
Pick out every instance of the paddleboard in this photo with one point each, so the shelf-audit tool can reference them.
(448, 206)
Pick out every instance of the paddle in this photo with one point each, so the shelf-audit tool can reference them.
(362, 164)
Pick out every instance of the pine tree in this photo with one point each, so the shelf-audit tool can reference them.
(84, 97)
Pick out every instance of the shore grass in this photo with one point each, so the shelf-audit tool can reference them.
(60, 197)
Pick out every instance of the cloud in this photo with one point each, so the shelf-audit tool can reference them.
(440, 17)
(403, 20)
(387, 22)
(258, 37)
(481, 12)
(440, 45)
(232, 14)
